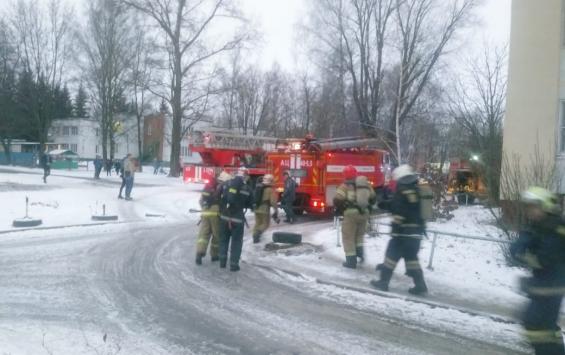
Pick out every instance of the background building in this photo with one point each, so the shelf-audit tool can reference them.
(534, 125)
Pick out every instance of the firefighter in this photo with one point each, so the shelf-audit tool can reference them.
(541, 245)
(210, 218)
(265, 198)
(235, 200)
(408, 227)
(353, 200)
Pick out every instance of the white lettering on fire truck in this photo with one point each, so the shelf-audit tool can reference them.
(303, 163)
(360, 169)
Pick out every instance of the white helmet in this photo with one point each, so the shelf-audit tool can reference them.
(268, 179)
(224, 177)
(402, 171)
(243, 172)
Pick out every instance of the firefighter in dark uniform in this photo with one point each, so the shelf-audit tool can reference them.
(355, 214)
(408, 228)
(236, 199)
(268, 199)
(541, 245)
(210, 218)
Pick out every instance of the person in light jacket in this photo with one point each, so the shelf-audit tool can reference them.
(129, 173)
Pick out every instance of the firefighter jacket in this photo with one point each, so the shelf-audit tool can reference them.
(541, 246)
(405, 208)
(269, 199)
(235, 199)
(346, 200)
(210, 200)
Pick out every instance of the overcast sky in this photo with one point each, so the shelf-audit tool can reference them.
(277, 19)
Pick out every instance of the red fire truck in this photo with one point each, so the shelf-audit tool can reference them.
(317, 166)
(226, 151)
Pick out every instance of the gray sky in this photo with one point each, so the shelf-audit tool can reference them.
(277, 18)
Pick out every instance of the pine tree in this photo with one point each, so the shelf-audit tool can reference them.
(81, 103)
(63, 104)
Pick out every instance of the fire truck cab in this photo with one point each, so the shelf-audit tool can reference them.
(317, 167)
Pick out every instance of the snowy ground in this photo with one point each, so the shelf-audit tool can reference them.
(62, 290)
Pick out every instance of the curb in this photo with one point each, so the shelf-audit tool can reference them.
(66, 226)
(391, 295)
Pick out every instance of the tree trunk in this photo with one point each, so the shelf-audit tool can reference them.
(139, 142)
(177, 117)
(6, 143)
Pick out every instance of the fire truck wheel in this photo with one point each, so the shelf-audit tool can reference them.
(288, 238)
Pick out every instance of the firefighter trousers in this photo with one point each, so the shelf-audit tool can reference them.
(231, 231)
(540, 321)
(262, 222)
(209, 233)
(353, 230)
(406, 248)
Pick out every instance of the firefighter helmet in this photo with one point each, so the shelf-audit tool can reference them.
(268, 179)
(243, 172)
(546, 199)
(224, 177)
(402, 171)
(349, 172)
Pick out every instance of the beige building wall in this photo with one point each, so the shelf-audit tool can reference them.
(534, 79)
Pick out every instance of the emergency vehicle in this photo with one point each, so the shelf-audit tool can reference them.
(221, 150)
(464, 183)
(317, 167)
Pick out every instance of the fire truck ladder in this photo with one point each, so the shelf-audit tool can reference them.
(224, 140)
(345, 143)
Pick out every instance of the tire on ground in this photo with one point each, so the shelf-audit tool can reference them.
(285, 237)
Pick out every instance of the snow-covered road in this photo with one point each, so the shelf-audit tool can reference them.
(62, 291)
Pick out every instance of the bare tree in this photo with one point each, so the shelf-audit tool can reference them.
(423, 41)
(43, 37)
(186, 24)
(106, 42)
(141, 77)
(478, 105)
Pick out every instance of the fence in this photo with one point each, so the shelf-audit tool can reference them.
(20, 159)
(374, 231)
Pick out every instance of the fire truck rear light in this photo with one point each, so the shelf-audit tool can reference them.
(206, 181)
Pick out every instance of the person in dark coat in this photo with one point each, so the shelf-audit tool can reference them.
(288, 197)
(408, 228)
(236, 198)
(541, 247)
(97, 167)
(108, 167)
(45, 162)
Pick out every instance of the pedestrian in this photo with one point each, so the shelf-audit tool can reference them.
(123, 185)
(235, 200)
(408, 228)
(97, 167)
(288, 197)
(45, 162)
(353, 200)
(541, 246)
(117, 166)
(210, 218)
(156, 166)
(108, 167)
(129, 173)
(265, 197)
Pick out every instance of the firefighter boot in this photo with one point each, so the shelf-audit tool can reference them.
(234, 267)
(420, 287)
(199, 257)
(256, 237)
(350, 262)
(382, 284)
(360, 254)
(215, 258)
(223, 263)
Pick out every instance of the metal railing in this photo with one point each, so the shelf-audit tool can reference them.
(434, 233)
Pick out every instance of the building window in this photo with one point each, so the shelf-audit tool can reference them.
(65, 130)
(74, 131)
(74, 148)
(64, 146)
(55, 131)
